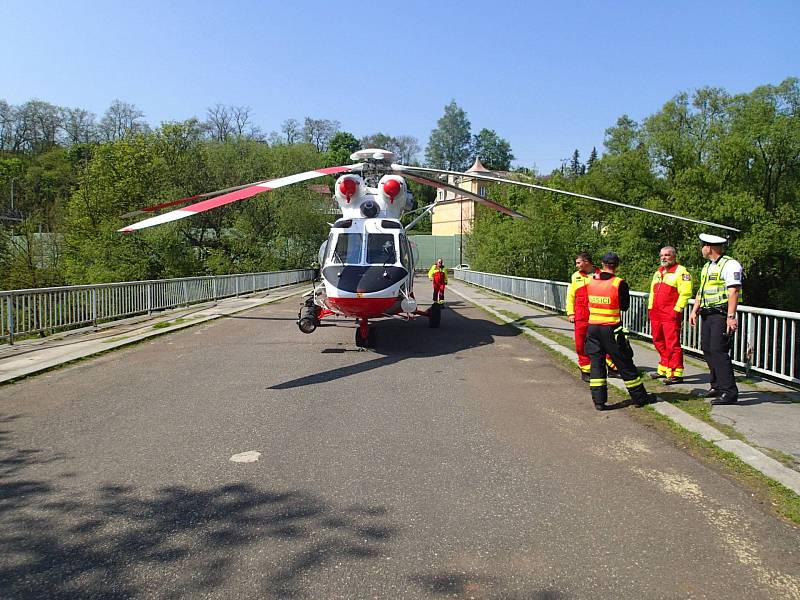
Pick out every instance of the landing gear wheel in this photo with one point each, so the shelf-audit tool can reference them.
(435, 315)
(369, 341)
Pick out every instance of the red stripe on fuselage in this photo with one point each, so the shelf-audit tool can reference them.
(364, 308)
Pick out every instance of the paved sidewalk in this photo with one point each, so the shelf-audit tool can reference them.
(767, 415)
(40, 354)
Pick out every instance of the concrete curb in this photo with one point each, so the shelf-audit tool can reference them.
(17, 367)
(762, 463)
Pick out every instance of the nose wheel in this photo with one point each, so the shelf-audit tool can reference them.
(435, 315)
(365, 334)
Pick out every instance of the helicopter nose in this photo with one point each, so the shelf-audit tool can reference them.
(363, 279)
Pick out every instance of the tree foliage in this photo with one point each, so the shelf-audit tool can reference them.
(733, 160)
(450, 144)
(404, 147)
(493, 151)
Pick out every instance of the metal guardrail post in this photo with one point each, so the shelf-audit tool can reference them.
(185, 291)
(94, 307)
(10, 322)
(214, 288)
(750, 346)
(149, 299)
(237, 285)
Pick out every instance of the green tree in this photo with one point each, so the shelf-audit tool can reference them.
(575, 166)
(340, 147)
(449, 146)
(493, 151)
(592, 159)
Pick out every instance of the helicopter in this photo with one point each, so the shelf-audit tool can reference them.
(367, 263)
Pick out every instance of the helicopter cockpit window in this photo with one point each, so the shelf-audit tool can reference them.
(347, 249)
(381, 249)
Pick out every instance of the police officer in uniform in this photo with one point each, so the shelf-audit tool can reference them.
(608, 296)
(716, 302)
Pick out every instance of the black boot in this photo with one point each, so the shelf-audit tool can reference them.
(640, 396)
(724, 398)
(600, 397)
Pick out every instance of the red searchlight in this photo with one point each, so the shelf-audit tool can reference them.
(348, 188)
(391, 188)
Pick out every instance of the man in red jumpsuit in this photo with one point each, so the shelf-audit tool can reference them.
(438, 274)
(670, 291)
(578, 311)
(578, 308)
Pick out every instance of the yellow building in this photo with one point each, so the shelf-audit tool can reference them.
(455, 214)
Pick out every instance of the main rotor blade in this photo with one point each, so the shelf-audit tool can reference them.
(406, 169)
(155, 207)
(424, 212)
(242, 193)
(457, 190)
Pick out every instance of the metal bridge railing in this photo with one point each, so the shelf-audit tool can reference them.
(47, 310)
(766, 340)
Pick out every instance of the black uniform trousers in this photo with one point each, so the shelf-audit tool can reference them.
(716, 347)
(609, 339)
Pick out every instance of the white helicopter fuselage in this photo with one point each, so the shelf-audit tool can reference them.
(367, 263)
(368, 268)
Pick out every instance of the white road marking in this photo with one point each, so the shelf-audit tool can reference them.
(246, 457)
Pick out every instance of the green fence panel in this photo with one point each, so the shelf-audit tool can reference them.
(447, 247)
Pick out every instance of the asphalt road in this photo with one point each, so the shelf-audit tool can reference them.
(452, 463)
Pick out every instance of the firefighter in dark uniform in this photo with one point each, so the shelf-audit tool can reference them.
(716, 302)
(608, 297)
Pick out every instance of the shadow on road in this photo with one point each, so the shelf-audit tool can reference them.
(458, 584)
(398, 340)
(117, 541)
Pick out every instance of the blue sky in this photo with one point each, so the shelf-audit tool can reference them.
(549, 77)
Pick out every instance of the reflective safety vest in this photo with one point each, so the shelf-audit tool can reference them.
(604, 300)
(576, 295)
(437, 275)
(713, 291)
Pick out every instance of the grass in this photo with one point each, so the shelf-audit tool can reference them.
(767, 492)
(770, 494)
(699, 408)
(165, 324)
(545, 331)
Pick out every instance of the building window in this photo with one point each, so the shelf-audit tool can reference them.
(482, 191)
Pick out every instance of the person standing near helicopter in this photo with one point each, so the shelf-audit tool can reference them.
(609, 297)
(578, 313)
(438, 275)
(719, 294)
